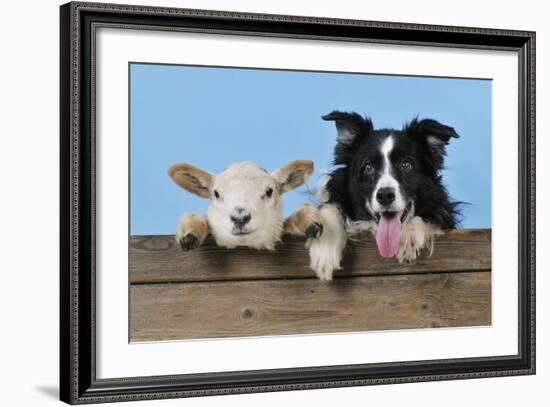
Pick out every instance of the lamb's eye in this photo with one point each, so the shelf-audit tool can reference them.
(368, 168)
(269, 192)
(216, 194)
(406, 166)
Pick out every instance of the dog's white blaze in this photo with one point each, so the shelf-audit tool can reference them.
(386, 149)
(387, 180)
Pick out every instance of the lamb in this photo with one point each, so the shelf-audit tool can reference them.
(245, 206)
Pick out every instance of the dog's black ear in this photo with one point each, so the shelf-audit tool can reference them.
(434, 135)
(351, 127)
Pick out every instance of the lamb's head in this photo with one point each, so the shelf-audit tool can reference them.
(245, 206)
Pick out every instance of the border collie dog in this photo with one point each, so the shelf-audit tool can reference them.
(387, 182)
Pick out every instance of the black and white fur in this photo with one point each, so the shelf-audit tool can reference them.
(381, 174)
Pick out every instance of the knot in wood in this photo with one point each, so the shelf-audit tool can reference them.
(247, 313)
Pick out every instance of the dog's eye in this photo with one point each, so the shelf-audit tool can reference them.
(269, 192)
(216, 194)
(406, 166)
(368, 168)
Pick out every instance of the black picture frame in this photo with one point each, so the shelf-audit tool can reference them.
(78, 382)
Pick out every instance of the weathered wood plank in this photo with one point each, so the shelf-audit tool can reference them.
(159, 259)
(278, 307)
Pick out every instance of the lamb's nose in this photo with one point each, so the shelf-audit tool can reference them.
(240, 221)
(385, 196)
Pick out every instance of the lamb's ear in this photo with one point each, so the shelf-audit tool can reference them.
(293, 174)
(351, 127)
(434, 134)
(193, 179)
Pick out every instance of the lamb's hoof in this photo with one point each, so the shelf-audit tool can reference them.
(189, 242)
(314, 230)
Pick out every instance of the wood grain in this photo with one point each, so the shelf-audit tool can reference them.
(155, 259)
(278, 307)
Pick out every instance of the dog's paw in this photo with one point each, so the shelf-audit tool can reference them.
(408, 252)
(314, 230)
(417, 235)
(325, 257)
(188, 242)
(412, 241)
(325, 251)
(324, 262)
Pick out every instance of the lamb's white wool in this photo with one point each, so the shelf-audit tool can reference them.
(326, 251)
(415, 236)
(245, 205)
(241, 191)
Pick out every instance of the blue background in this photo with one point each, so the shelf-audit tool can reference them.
(212, 117)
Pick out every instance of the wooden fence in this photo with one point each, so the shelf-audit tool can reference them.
(215, 292)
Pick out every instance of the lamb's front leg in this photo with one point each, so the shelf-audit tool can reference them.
(192, 230)
(304, 221)
(416, 236)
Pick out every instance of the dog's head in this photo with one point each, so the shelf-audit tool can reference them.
(390, 172)
(245, 206)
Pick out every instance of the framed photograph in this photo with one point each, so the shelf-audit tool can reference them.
(255, 203)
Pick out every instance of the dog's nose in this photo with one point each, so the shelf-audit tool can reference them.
(240, 221)
(385, 196)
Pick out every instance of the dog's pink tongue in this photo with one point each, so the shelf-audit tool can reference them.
(388, 235)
